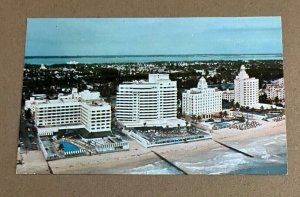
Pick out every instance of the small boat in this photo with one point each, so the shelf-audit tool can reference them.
(73, 62)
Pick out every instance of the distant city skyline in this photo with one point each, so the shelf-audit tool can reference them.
(153, 36)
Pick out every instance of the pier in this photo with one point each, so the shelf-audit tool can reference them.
(234, 149)
(170, 163)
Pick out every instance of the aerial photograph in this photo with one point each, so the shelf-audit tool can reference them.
(153, 96)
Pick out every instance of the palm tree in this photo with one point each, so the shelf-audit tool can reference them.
(276, 100)
(61, 146)
(221, 114)
(225, 113)
(28, 114)
(242, 108)
(178, 126)
(167, 129)
(186, 125)
(282, 112)
(199, 118)
(193, 118)
(262, 108)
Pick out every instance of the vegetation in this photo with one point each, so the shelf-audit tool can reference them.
(105, 78)
(78, 133)
(28, 114)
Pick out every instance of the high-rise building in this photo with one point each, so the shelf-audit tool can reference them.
(152, 102)
(202, 100)
(245, 89)
(78, 110)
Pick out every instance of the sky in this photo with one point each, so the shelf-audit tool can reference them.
(153, 36)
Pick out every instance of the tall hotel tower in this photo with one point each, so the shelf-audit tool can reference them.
(201, 100)
(149, 102)
(245, 88)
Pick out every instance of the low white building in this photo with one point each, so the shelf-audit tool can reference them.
(202, 71)
(77, 110)
(32, 102)
(43, 67)
(201, 100)
(212, 73)
(279, 81)
(228, 95)
(275, 89)
(96, 116)
(109, 144)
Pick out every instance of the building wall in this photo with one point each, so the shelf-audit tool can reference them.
(96, 118)
(201, 100)
(274, 90)
(95, 115)
(31, 103)
(228, 95)
(141, 100)
(246, 89)
(51, 114)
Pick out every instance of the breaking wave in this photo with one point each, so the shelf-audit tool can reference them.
(269, 153)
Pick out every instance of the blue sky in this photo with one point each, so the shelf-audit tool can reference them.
(159, 36)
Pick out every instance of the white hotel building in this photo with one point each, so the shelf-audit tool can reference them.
(148, 103)
(228, 95)
(245, 89)
(77, 110)
(275, 89)
(202, 100)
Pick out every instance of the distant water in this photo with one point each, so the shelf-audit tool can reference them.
(143, 59)
(270, 159)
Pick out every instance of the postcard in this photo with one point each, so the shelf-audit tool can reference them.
(171, 96)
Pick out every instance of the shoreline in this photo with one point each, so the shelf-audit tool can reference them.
(150, 59)
(113, 163)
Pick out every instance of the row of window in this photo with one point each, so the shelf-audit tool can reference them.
(60, 113)
(60, 107)
(58, 119)
(57, 122)
(98, 128)
(93, 125)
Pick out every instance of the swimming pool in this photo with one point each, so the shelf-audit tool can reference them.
(68, 147)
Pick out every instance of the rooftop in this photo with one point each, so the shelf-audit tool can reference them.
(99, 102)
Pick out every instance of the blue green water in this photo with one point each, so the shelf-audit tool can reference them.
(270, 158)
(264, 169)
(148, 58)
(68, 147)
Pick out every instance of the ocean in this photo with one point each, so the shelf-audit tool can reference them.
(50, 60)
(270, 159)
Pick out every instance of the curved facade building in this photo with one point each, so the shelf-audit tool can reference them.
(143, 101)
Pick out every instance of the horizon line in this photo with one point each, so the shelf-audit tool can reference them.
(140, 55)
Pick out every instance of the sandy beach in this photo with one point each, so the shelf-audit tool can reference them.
(266, 129)
(102, 162)
(112, 163)
(195, 156)
(34, 163)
